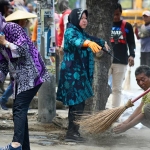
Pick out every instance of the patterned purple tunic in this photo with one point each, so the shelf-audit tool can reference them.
(29, 66)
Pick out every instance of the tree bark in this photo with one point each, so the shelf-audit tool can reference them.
(100, 19)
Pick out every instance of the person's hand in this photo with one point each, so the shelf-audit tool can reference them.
(2, 40)
(120, 128)
(94, 46)
(57, 50)
(131, 61)
(107, 46)
(135, 25)
(61, 52)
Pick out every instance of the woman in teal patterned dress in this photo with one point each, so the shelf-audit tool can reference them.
(76, 74)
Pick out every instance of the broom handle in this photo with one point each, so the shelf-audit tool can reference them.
(134, 100)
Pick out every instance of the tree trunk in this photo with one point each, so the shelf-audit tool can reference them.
(100, 21)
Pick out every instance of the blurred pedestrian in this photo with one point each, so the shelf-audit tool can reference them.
(76, 74)
(19, 4)
(63, 6)
(122, 41)
(5, 9)
(57, 18)
(143, 33)
(5, 96)
(30, 8)
(34, 33)
(27, 70)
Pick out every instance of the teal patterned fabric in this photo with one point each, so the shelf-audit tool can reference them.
(76, 74)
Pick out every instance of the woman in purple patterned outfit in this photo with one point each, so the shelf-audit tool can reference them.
(21, 59)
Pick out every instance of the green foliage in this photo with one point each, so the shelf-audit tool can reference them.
(126, 4)
(72, 3)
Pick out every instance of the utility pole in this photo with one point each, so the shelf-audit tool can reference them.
(46, 45)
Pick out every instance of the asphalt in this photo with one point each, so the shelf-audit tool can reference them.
(133, 139)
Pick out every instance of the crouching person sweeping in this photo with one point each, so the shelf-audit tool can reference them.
(142, 112)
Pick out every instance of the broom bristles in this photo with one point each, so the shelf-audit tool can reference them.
(127, 81)
(100, 122)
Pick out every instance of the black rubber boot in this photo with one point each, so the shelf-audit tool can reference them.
(74, 137)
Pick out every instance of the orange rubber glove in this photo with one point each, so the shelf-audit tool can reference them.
(95, 47)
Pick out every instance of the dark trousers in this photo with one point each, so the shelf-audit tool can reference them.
(75, 111)
(20, 109)
(145, 58)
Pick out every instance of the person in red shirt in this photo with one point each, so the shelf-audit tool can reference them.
(34, 33)
(64, 8)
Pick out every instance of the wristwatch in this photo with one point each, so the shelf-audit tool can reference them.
(7, 44)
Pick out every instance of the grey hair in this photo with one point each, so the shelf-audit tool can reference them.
(143, 69)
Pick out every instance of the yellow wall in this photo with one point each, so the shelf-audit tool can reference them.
(138, 4)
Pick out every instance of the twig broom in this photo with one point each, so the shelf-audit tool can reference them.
(101, 121)
(127, 80)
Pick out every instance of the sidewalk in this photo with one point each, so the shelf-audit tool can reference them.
(48, 136)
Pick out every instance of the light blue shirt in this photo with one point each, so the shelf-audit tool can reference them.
(145, 42)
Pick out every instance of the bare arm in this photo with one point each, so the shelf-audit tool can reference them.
(135, 113)
(65, 25)
(136, 33)
(133, 120)
(125, 126)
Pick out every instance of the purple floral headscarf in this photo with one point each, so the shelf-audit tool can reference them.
(2, 22)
